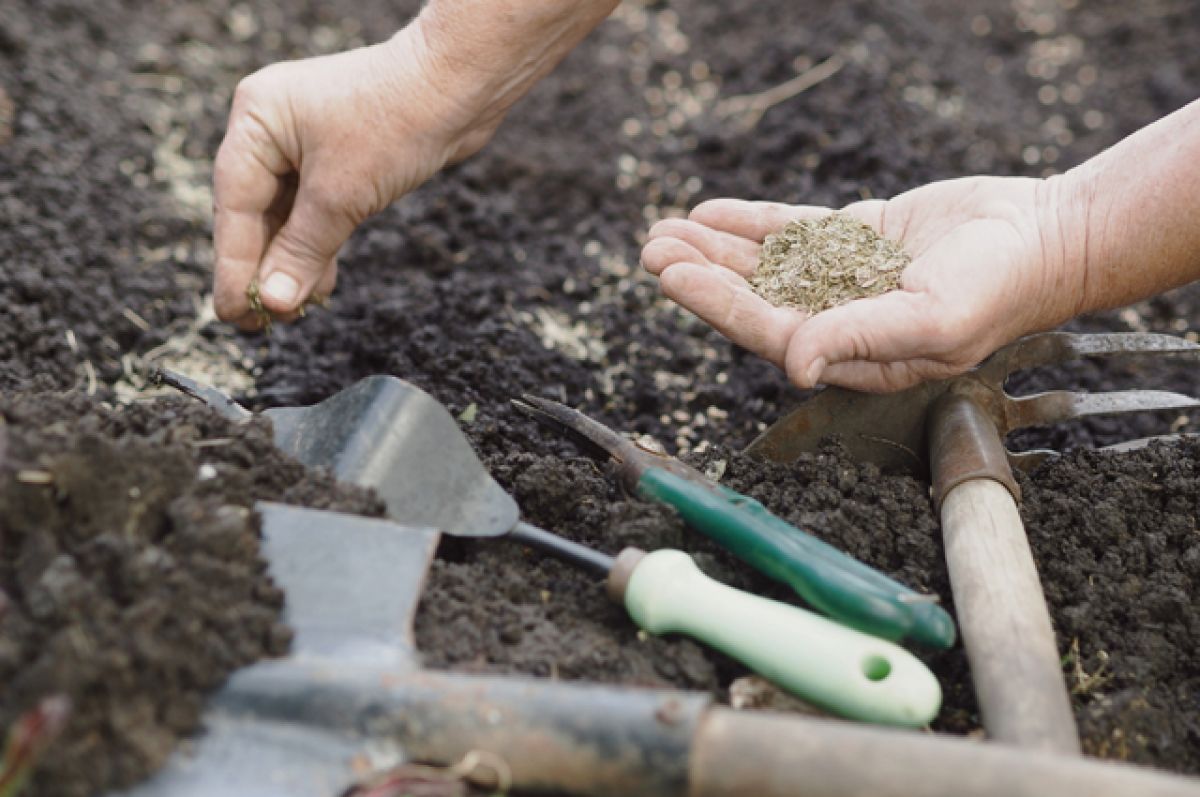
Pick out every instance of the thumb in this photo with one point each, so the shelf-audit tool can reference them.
(893, 327)
(302, 252)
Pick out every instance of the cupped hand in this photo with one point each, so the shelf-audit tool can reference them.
(988, 265)
(313, 148)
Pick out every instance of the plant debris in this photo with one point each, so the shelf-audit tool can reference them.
(816, 264)
(7, 113)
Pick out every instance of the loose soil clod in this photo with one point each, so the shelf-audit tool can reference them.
(815, 264)
(133, 575)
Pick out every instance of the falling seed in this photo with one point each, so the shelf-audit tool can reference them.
(35, 477)
(135, 319)
(254, 296)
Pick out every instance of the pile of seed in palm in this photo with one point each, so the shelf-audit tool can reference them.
(816, 264)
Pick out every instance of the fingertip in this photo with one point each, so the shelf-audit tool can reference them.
(679, 277)
(660, 253)
(280, 292)
(812, 374)
(667, 228)
(818, 343)
(659, 229)
(711, 211)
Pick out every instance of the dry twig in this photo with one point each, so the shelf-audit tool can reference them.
(751, 107)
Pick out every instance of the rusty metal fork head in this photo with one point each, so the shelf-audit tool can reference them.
(891, 429)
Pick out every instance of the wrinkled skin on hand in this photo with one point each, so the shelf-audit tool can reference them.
(312, 149)
(987, 267)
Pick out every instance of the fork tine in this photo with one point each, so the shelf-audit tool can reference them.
(1052, 348)
(1063, 405)
(1028, 461)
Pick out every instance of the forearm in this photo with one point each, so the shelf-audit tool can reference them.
(1133, 214)
(486, 54)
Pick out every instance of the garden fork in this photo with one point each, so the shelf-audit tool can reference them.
(953, 430)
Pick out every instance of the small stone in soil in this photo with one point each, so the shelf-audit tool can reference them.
(816, 264)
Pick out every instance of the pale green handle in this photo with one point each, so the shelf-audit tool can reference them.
(841, 670)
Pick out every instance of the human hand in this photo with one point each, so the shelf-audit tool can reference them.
(989, 264)
(312, 149)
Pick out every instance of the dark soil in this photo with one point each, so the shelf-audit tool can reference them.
(517, 272)
(1118, 546)
(129, 559)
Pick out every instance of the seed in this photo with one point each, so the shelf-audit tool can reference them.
(816, 264)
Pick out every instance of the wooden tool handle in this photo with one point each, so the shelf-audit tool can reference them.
(1003, 620)
(739, 753)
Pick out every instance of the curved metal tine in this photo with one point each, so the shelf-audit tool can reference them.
(1142, 442)
(1028, 461)
(222, 403)
(601, 440)
(1052, 348)
(1064, 405)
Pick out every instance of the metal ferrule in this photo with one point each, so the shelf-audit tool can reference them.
(964, 445)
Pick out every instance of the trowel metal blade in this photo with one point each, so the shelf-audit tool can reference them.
(352, 587)
(389, 434)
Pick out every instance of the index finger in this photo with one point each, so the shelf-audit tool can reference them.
(244, 189)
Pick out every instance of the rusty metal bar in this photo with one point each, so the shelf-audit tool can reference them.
(964, 445)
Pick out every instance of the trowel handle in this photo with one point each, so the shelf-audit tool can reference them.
(841, 670)
(832, 582)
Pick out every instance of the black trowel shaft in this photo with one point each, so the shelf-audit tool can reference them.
(560, 548)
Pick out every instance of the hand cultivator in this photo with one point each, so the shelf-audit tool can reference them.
(954, 431)
(349, 701)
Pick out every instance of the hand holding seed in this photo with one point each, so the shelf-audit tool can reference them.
(979, 266)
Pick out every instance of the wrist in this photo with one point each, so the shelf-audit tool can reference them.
(445, 94)
(482, 56)
(1071, 252)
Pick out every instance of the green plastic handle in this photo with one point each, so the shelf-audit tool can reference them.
(832, 582)
(836, 668)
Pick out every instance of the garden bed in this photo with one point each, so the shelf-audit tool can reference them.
(518, 272)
